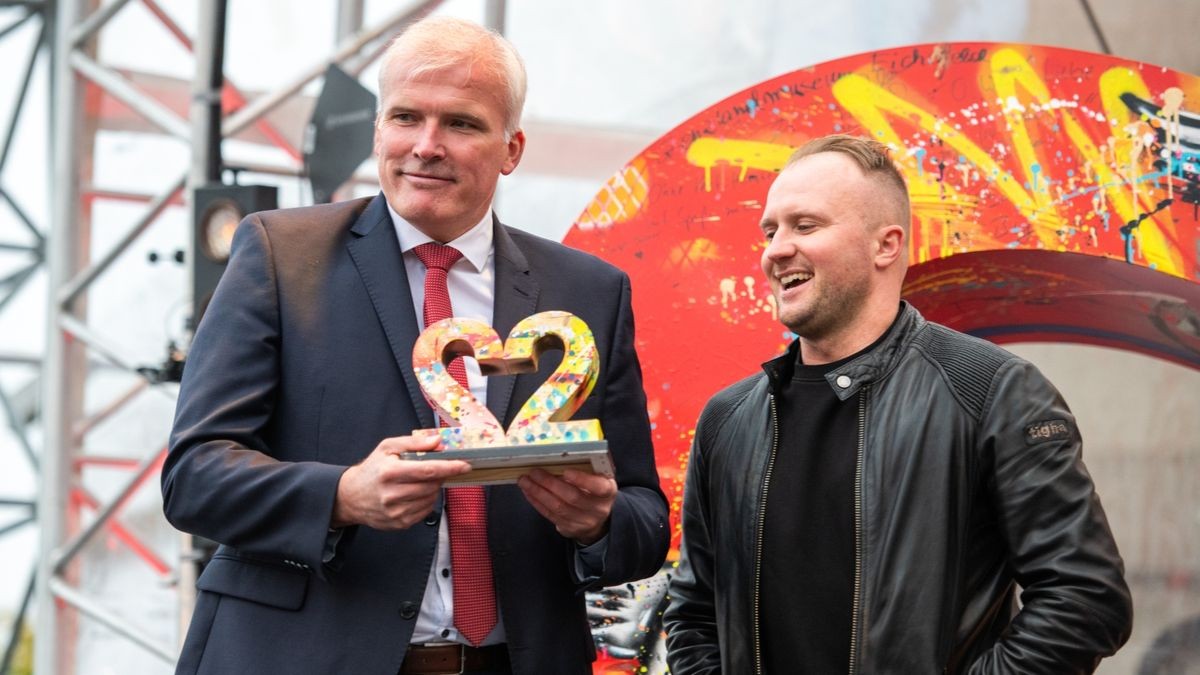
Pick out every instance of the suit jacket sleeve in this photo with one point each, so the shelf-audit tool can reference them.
(638, 533)
(220, 480)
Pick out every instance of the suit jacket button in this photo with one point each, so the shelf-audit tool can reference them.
(408, 610)
(431, 519)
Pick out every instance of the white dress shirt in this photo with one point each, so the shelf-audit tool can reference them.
(472, 285)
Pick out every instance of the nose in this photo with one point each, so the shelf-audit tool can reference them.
(428, 143)
(780, 247)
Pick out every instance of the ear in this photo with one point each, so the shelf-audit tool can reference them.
(375, 143)
(515, 149)
(890, 243)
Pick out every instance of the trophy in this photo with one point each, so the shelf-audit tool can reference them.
(541, 435)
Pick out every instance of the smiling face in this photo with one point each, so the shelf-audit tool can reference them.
(441, 146)
(831, 253)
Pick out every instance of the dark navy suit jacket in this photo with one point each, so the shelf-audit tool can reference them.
(301, 365)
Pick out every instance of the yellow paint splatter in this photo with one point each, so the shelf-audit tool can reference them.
(689, 253)
(707, 153)
(620, 198)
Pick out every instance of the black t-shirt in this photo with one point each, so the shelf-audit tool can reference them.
(808, 539)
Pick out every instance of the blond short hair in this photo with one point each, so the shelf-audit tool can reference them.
(440, 42)
(871, 156)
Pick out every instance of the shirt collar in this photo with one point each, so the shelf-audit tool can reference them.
(475, 244)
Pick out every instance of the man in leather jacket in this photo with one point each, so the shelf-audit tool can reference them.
(877, 500)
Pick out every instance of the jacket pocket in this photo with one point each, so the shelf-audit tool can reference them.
(264, 582)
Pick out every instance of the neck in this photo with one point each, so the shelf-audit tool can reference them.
(444, 233)
(870, 325)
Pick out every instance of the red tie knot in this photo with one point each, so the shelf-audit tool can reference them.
(437, 256)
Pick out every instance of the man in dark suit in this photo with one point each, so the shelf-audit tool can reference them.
(299, 395)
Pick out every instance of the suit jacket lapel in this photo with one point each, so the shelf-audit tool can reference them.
(516, 298)
(375, 250)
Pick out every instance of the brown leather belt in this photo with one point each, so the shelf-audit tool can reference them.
(453, 658)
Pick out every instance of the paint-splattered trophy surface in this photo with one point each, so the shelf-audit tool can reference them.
(542, 433)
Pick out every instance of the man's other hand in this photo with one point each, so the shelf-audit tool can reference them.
(578, 503)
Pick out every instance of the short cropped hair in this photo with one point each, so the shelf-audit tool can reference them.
(871, 156)
(440, 42)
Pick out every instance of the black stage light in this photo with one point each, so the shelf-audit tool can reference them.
(216, 212)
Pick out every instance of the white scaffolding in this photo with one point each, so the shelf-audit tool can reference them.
(20, 407)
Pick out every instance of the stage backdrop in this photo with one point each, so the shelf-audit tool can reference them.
(1055, 198)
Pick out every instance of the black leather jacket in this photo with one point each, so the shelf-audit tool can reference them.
(969, 482)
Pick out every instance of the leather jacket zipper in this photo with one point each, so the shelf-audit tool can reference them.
(762, 522)
(858, 528)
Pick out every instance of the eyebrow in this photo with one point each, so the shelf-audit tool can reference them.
(805, 214)
(445, 114)
(472, 118)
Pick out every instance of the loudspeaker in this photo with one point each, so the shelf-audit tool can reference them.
(341, 134)
(216, 212)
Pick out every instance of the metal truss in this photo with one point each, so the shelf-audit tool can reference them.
(19, 407)
(69, 516)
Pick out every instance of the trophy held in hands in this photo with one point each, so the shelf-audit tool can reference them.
(541, 435)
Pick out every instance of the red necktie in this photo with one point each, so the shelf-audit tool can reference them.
(474, 591)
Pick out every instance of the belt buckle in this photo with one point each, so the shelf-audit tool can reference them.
(462, 659)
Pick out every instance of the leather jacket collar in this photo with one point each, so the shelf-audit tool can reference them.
(867, 368)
